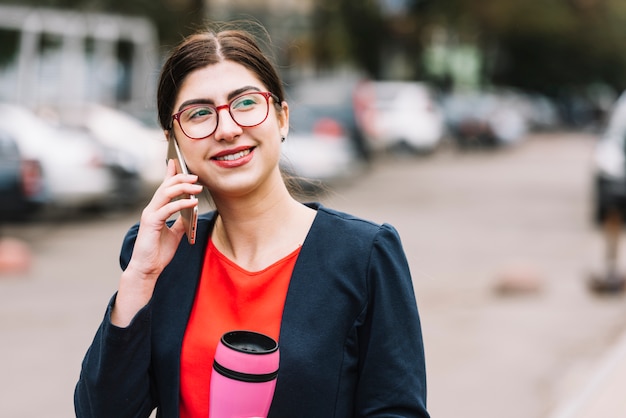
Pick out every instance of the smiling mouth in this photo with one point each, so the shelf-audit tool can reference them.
(233, 157)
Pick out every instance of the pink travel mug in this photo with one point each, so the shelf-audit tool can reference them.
(244, 375)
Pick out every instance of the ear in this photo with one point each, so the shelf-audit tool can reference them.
(167, 135)
(283, 119)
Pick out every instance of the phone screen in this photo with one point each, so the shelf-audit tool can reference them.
(189, 215)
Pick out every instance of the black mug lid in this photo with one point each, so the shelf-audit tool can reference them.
(249, 342)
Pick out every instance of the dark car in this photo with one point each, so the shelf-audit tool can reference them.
(21, 185)
(486, 118)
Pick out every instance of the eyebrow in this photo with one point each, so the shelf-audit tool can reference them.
(230, 96)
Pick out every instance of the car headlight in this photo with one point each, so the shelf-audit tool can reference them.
(609, 158)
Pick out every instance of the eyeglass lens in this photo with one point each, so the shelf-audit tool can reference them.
(247, 110)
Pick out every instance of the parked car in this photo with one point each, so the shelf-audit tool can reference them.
(406, 116)
(319, 146)
(543, 113)
(136, 150)
(491, 118)
(21, 186)
(339, 97)
(609, 165)
(74, 171)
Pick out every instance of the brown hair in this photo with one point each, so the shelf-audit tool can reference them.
(211, 47)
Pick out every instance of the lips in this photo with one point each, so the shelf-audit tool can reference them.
(232, 155)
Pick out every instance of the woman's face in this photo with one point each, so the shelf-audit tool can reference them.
(233, 161)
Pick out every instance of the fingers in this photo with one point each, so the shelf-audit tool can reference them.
(171, 173)
(171, 196)
(156, 243)
(178, 228)
(176, 186)
(171, 168)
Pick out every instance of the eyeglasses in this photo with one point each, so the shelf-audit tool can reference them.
(248, 110)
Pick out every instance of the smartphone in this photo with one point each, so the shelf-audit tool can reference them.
(189, 215)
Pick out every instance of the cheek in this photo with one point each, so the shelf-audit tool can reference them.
(192, 153)
(274, 131)
(272, 148)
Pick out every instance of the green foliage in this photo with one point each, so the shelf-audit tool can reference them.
(366, 28)
(546, 45)
(8, 46)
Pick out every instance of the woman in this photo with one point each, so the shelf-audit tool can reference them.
(334, 290)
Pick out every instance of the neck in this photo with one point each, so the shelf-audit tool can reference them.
(254, 233)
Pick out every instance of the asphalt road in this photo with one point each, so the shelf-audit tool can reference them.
(467, 220)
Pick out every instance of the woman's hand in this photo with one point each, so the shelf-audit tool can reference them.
(155, 245)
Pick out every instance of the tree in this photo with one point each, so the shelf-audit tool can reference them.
(545, 45)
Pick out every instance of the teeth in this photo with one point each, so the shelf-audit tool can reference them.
(232, 157)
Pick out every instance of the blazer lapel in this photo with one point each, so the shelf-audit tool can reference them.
(173, 307)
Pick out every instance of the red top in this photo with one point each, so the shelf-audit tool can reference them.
(228, 298)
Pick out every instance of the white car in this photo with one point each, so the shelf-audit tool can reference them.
(138, 147)
(404, 113)
(74, 172)
(609, 165)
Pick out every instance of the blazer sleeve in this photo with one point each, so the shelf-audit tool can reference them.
(392, 380)
(115, 376)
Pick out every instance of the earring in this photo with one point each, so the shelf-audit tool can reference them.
(282, 139)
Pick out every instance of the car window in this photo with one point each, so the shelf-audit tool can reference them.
(8, 148)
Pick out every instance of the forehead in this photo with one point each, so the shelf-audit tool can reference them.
(216, 81)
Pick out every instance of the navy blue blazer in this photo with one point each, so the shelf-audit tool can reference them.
(350, 340)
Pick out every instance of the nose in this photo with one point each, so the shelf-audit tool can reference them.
(227, 129)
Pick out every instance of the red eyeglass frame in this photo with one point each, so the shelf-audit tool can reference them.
(266, 94)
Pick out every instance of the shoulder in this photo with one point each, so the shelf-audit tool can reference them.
(343, 233)
(353, 227)
(328, 217)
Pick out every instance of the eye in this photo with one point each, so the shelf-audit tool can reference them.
(246, 102)
(198, 114)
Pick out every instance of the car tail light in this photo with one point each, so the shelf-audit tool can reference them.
(328, 127)
(32, 180)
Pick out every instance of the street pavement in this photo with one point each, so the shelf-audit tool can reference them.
(602, 396)
(470, 222)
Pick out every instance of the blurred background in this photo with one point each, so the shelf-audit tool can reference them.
(490, 133)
